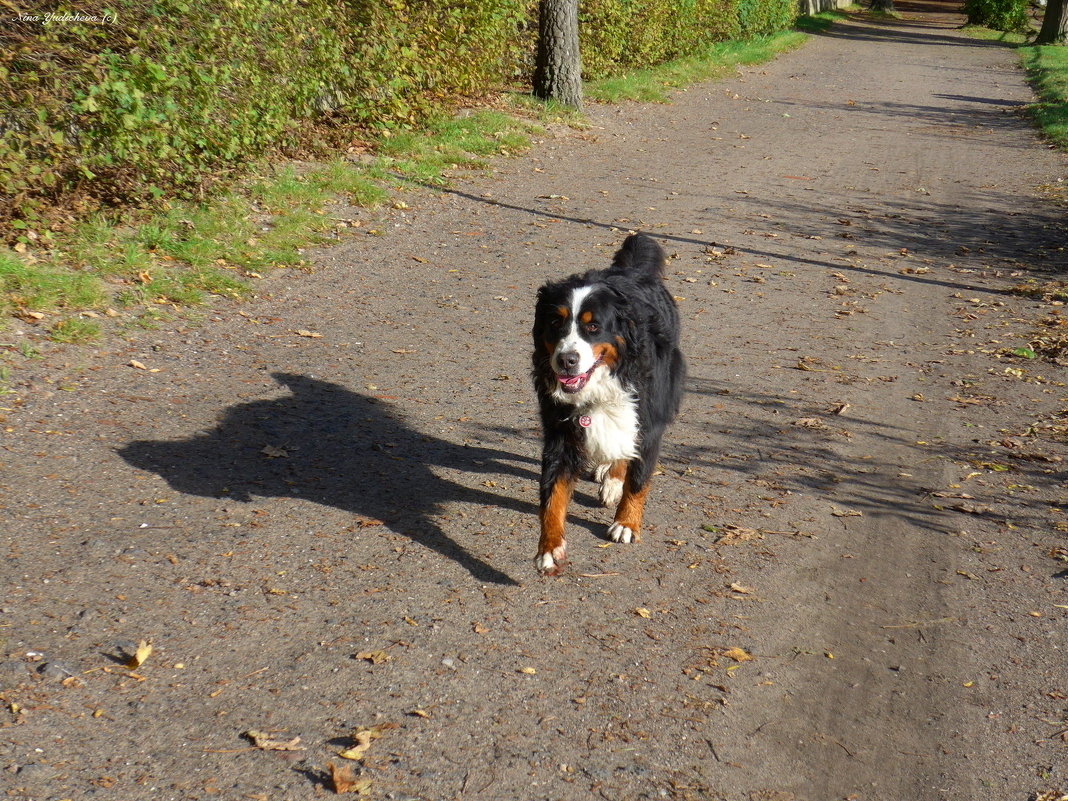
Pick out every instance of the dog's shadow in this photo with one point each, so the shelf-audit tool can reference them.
(327, 444)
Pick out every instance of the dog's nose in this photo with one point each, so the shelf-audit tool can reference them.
(569, 360)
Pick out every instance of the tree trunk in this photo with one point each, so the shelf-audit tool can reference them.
(558, 69)
(886, 6)
(1054, 23)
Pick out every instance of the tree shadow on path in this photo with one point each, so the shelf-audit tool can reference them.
(332, 446)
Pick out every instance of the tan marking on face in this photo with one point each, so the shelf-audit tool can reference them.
(607, 353)
(586, 317)
(564, 312)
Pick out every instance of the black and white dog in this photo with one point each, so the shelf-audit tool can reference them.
(609, 377)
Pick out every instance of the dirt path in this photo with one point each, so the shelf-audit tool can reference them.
(324, 532)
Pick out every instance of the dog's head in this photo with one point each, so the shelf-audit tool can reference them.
(580, 335)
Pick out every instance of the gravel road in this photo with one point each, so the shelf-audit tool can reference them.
(319, 506)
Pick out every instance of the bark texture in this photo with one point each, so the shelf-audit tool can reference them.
(558, 69)
(1054, 23)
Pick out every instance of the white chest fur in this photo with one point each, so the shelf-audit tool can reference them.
(612, 409)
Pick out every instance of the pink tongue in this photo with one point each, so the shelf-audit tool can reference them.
(570, 381)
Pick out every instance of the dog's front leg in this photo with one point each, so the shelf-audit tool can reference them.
(557, 486)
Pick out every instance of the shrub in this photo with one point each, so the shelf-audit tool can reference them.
(1001, 15)
(163, 98)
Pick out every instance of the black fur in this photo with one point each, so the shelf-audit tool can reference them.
(638, 316)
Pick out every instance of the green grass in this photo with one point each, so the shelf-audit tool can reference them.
(654, 85)
(26, 286)
(991, 35)
(185, 254)
(1047, 67)
(74, 330)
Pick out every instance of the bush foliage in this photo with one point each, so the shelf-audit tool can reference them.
(1001, 15)
(153, 98)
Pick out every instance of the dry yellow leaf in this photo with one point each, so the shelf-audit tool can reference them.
(304, 332)
(267, 743)
(362, 739)
(374, 657)
(641, 611)
(143, 652)
(736, 587)
(528, 670)
(737, 654)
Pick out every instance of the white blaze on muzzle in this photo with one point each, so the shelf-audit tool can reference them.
(574, 356)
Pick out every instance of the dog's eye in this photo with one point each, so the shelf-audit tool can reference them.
(592, 328)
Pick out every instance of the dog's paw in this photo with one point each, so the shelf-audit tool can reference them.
(611, 491)
(621, 533)
(552, 563)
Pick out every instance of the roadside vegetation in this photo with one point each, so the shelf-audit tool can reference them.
(136, 263)
(1047, 65)
(1047, 70)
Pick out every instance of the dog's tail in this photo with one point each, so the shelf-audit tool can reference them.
(640, 257)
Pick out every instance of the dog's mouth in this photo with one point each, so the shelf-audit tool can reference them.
(575, 383)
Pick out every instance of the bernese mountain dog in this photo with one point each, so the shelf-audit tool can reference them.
(609, 377)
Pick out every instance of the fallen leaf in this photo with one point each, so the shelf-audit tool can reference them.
(136, 364)
(271, 452)
(143, 651)
(362, 741)
(846, 513)
(419, 713)
(732, 534)
(528, 670)
(345, 781)
(971, 508)
(374, 657)
(264, 741)
(736, 587)
(738, 655)
(643, 612)
(304, 332)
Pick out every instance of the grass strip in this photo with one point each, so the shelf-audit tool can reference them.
(654, 85)
(1047, 68)
(183, 255)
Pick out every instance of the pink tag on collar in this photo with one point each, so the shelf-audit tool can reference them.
(585, 421)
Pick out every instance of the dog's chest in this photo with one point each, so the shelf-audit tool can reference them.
(609, 422)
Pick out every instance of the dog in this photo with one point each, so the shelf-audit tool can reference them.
(609, 376)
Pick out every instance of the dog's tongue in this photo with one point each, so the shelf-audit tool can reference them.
(571, 380)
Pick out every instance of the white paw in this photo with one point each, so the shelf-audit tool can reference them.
(601, 472)
(611, 491)
(620, 533)
(551, 562)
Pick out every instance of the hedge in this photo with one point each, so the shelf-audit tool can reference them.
(150, 98)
